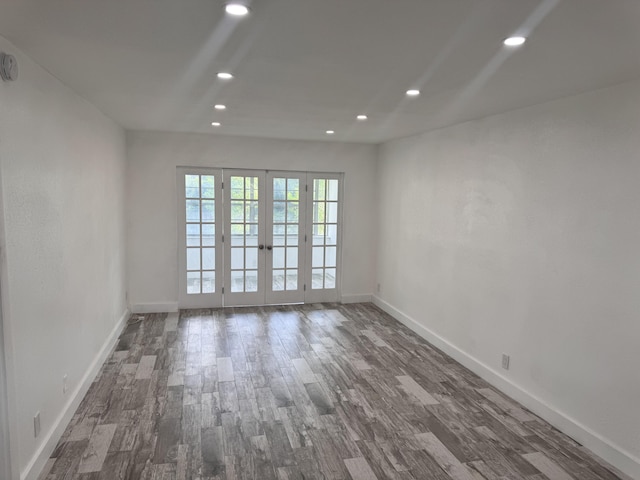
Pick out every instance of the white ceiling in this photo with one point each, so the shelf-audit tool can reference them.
(305, 66)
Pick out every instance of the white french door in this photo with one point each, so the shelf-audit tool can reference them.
(255, 237)
(244, 249)
(200, 236)
(286, 224)
(323, 247)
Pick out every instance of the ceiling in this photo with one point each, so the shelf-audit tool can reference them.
(306, 66)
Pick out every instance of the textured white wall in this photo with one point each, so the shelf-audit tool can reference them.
(62, 166)
(519, 233)
(152, 238)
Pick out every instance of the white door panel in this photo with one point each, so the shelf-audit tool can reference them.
(324, 211)
(244, 242)
(286, 214)
(200, 235)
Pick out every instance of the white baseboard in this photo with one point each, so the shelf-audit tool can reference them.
(604, 448)
(40, 457)
(160, 307)
(356, 298)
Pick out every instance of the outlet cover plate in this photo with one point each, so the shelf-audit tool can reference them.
(505, 361)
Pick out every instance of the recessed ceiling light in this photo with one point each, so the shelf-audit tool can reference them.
(220, 107)
(330, 132)
(514, 41)
(237, 9)
(413, 93)
(225, 76)
(215, 124)
(362, 117)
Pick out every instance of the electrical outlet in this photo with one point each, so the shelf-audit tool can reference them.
(64, 383)
(36, 425)
(505, 361)
(379, 288)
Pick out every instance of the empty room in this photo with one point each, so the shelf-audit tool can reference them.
(319, 240)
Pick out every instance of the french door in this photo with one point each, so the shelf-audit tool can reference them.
(244, 245)
(286, 197)
(255, 237)
(200, 230)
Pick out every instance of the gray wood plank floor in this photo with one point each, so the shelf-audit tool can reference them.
(301, 392)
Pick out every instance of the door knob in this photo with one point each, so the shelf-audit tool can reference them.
(269, 247)
(261, 247)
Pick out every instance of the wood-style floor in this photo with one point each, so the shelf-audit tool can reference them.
(304, 392)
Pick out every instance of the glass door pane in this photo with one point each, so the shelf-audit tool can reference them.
(285, 237)
(244, 264)
(324, 249)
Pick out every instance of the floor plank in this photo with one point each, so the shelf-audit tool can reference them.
(225, 369)
(304, 370)
(96, 452)
(550, 469)
(359, 469)
(145, 367)
(412, 387)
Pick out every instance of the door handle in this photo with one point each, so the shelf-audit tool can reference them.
(269, 247)
(261, 247)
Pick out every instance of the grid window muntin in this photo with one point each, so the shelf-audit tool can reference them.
(244, 219)
(324, 233)
(286, 231)
(200, 233)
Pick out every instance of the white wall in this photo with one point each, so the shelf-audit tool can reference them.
(152, 202)
(519, 233)
(62, 164)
